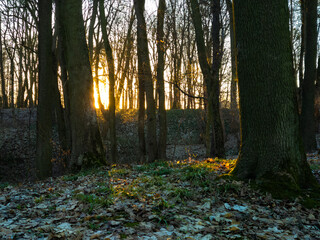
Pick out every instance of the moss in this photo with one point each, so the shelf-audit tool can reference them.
(123, 236)
(4, 185)
(282, 186)
(131, 224)
(310, 202)
(311, 197)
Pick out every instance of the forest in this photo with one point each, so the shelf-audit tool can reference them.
(159, 119)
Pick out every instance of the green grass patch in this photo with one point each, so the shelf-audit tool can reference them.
(4, 185)
(119, 172)
(131, 224)
(181, 194)
(94, 200)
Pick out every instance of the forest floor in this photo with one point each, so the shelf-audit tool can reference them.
(177, 199)
(164, 200)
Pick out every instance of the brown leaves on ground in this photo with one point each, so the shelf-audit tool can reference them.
(163, 200)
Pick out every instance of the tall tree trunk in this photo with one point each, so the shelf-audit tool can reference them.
(87, 148)
(112, 116)
(91, 29)
(129, 81)
(308, 86)
(3, 80)
(302, 48)
(144, 73)
(175, 55)
(31, 80)
(271, 151)
(59, 112)
(45, 106)
(64, 73)
(217, 139)
(162, 144)
(233, 88)
(97, 80)
(20, 87)
(12, 80)
(35, 78)
(211, 76)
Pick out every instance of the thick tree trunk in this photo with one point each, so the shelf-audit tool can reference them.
(87, 149)
(45, 106)
(144, 73)
(59, 113)
(215, 146)
(162, 143)
(307, 120)
(271, 149)
(64, 73)
(217, 142)
(112, 116)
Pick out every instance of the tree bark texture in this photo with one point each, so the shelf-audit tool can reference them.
(271, 150)
(87, 149)
(307, 120)
(215, 145)
(112, 116)
(61, 58)
(144, 73)
(162, 143)
(45, 106)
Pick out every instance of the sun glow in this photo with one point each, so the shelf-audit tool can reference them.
(103, 88)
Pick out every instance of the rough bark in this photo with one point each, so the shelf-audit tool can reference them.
(61, 57)
(162, 143)
(87, 149)
(271, 151)
(45, 106)
(112, 116)
(307, 120)
(144, 73)
(59, 112)
(215, 145)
